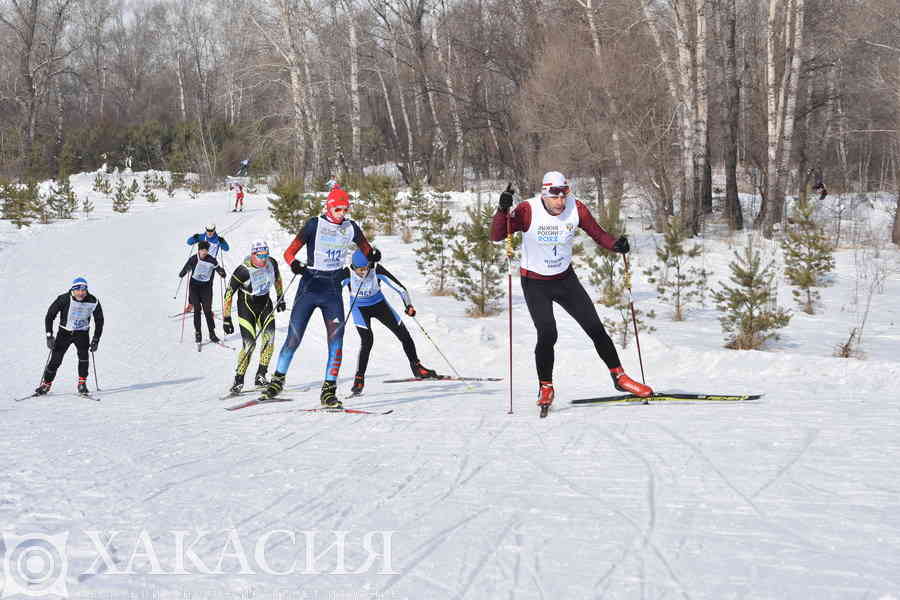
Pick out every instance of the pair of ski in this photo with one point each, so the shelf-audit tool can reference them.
(442, 378)
(632, 399)
(263, 400)
(201, 344)
(35, 395)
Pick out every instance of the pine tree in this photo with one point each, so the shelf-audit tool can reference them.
(122, 197)
(87, 207)
(434, 254)
(749, 305)
(678, 282)
(287, 206)
(411, 211)
(807, 256)
(62, 201)
(477, 264)
(101, 183)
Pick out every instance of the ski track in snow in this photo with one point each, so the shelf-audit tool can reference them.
(792, 496)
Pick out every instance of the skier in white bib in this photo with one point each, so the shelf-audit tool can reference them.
(549, 224)
(75, 309)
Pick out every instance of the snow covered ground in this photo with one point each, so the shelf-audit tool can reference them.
(163, 494)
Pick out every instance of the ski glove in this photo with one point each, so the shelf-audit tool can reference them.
(297, 267)
(621, 246)
(51, 341)
(410, 310)
(374, 256)
(94, 345)
(228, 326)
(281, 306)
(506, 198)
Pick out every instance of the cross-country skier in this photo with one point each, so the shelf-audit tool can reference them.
(216, 242)
(238, 197)
(327, 239)
(364, 284)
(549, 224)
(252, 281)
(75, 309)
(201, 267)
(242, 170)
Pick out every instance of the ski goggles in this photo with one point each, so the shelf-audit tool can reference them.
(262, 255)
(79, 287)
(557, 190)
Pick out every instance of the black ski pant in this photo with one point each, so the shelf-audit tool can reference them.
(540, 294)
(381, 311)
(200, 295)
(64, 338)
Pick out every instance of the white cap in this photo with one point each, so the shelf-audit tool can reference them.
(258, 247)
(553, 179)
(211, 227)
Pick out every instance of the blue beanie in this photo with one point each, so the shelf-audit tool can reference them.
(78, 281)
(359, 260)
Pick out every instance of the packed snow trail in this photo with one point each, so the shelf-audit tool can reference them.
(791, 496)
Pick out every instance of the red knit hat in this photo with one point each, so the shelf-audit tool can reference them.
(337, 198)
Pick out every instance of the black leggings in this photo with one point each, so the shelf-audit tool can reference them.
(540, 294)
(383, 313)
(201, 297)
(65, 338)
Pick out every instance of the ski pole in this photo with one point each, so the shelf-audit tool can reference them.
(633, 317)
(94, 364)
(46, 362)
(350, 310)
(452, 368)
(509, 255)
(184, 312)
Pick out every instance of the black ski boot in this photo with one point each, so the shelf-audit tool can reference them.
(420, 372)
(275, 385)
(260, 381)
(328, 398)
(82, 387)
(359, 382)
(213, 337)
(238, 386)
(43, 388)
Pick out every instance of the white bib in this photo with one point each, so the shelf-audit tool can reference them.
(214, 249)
(79, 317)
(364, 287)
(332, 243)
(203, 270)
(547, 245)
(261, 278)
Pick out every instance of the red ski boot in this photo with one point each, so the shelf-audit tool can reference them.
(624, 383)
(545, 397)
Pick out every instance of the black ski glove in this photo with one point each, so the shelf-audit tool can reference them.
(374, 256)
(297, 267)
(506, 198)
(410, 310)
(281, 306)
(51, 341)
(228, 326)
(621, 246)
(95, 343)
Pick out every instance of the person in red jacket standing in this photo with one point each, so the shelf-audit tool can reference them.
(238, 198)
(549, 224)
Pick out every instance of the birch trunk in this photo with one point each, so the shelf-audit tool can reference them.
(355, 110)
(404, 111)
(458, 166)
(687, 104)
(339, 158)
(701, 117)
(790, 96)
(771, 120)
